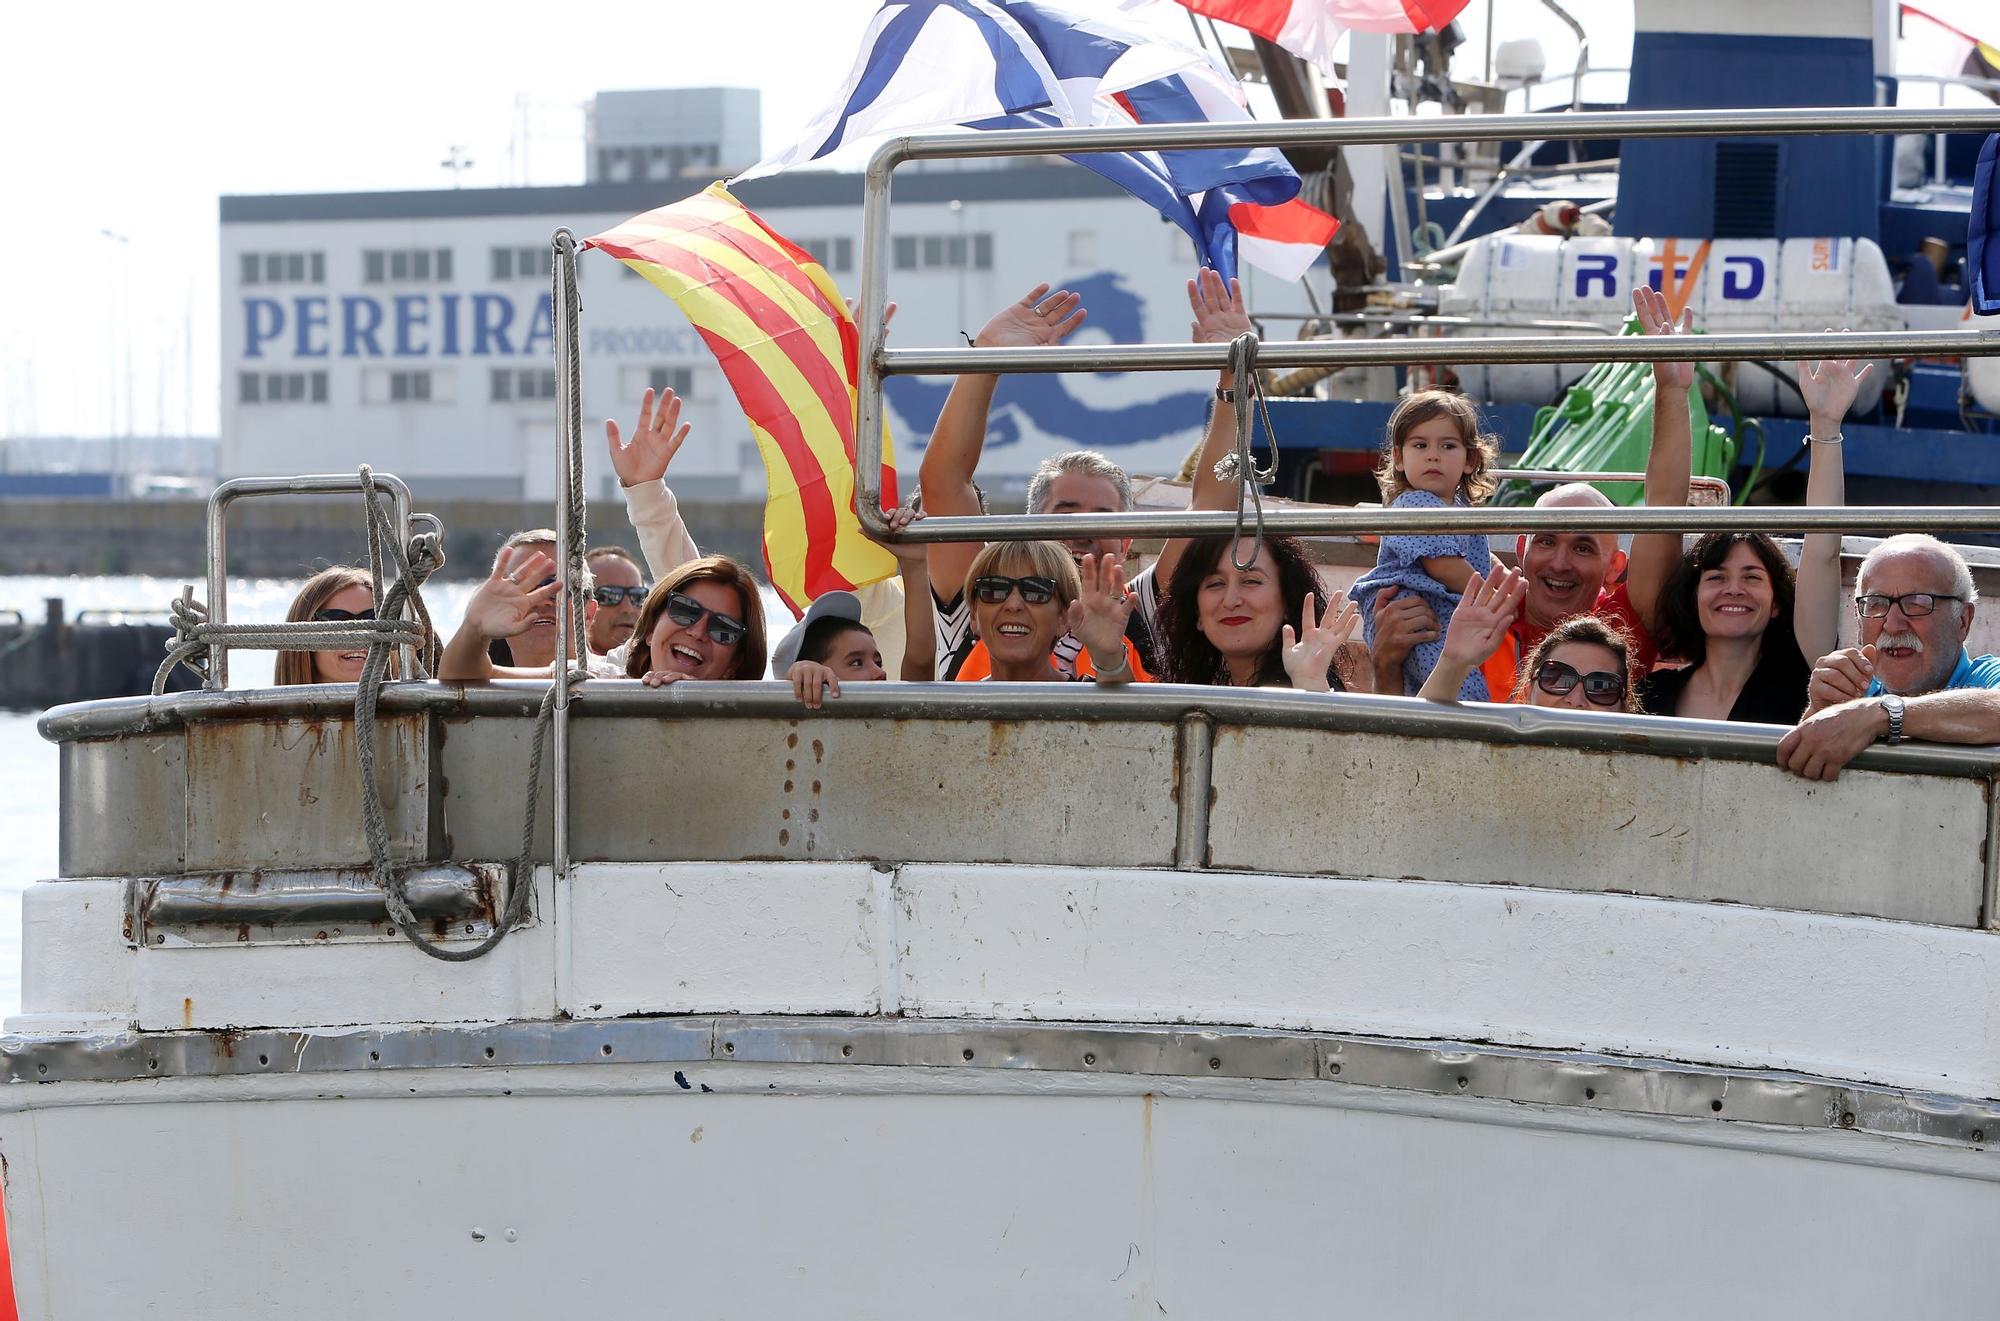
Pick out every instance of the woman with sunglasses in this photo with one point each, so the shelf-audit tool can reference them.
(332, 595)
(1224, 625)
(702, 621)
(1024, 594)
(1583, 663)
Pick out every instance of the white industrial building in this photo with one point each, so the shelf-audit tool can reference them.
(411, 330)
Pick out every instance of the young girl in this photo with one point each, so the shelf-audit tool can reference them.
(1435, 457)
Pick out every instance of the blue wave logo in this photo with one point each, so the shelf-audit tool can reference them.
(1047, 402)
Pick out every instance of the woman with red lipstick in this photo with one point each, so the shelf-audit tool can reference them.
(1223, 625)
(1734, 611)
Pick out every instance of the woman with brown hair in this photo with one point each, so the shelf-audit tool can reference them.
(702, 621)
(338, 594)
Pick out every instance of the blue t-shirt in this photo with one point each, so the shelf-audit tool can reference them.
(1980, 672)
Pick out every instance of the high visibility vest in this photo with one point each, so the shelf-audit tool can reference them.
(978, 664)
(1503, 668)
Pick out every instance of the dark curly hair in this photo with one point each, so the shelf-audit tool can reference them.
(1681, 633)
(1185, 653)
(1482, 452)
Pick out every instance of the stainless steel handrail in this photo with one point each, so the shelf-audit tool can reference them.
(240, 488)
(1485, 519)
(1497, 349)
(876, 362)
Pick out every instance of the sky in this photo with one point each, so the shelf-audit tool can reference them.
(124, 122)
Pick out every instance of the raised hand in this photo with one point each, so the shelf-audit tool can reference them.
(1656, 318)
(1099, 614)
(1309, 650)
(507, 602)
(854, 315)
(655, 440)
(1829, 387)
(1840, 677)
(1485, 611)
(1218, 309)
(1040, 318)
(907, 553)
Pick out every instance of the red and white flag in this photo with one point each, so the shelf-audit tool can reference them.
(1309, 29)
(1285, 239)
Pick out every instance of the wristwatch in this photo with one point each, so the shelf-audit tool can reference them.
(1894, 706)
(1225, 394)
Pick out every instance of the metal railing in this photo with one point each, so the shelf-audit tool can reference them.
(242, 488)
(878, 363)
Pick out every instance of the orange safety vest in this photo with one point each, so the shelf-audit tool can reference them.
(979, 665)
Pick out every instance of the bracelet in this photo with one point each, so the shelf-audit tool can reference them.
(1124, 666)
(1225, 394)
(1834, 439)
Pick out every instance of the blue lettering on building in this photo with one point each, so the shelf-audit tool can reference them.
(491, 315)
(1742, 276)
(360, 318)
(1597, 268)
(427, 325)
(263, 318)
(413, 313)
(309, 315)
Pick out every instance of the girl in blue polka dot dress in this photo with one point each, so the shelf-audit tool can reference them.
(1434, 457)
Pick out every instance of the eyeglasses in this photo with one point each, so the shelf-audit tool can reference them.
(993, 588)
(332, 616)
(1914, 605)
(687, 612)
(611, 596)
(1600, 687)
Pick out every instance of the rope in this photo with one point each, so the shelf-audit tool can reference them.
(1240, 467)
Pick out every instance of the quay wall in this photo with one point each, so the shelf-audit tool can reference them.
(285, 537)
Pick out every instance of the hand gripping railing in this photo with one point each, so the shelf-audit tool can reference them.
(878, 362)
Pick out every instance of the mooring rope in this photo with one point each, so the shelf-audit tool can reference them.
(1239, 466)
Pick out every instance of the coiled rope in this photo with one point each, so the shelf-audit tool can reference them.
(1239, 466)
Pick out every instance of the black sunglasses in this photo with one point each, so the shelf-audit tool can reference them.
(687, 612)
(993, 588)
(331, 616)
(1600, 687)
(611, 596)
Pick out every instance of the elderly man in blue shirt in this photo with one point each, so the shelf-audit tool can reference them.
(1911, 677)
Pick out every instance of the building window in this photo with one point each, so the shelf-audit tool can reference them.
(530, 263)
(835, 255)
(280, 387)
(409, 387)
(678, 379)
(283, 267)
(379, 266)
(523, 383)
(941, 252)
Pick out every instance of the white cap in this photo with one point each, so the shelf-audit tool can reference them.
(833, 605)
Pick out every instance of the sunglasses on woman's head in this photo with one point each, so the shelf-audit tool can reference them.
(687, 612)
(611, 596)
(329, 615)
(1600, 687)
(993, 588)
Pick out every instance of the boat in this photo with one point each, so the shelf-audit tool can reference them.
(990, 1000)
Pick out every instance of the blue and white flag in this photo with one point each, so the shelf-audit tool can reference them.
(995, 64)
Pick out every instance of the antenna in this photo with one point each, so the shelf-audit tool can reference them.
(457, 162)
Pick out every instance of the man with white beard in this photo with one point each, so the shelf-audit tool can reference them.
(1911, 677)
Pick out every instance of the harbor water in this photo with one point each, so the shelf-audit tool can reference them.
(29, 788)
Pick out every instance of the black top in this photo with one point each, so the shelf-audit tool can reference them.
(1775, 693)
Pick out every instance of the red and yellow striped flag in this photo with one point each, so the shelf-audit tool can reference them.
(776, 323)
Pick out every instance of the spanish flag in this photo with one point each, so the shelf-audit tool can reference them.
(776, 323)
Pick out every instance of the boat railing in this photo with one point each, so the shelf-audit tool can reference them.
(1944, 82)
(228, 493)
(879, 362)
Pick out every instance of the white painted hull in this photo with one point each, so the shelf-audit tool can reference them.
(831, 1191)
